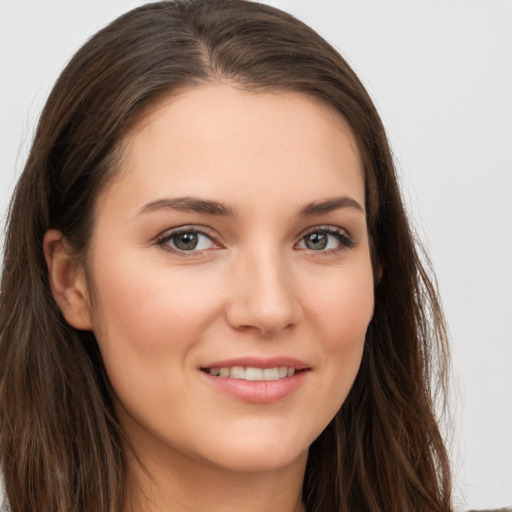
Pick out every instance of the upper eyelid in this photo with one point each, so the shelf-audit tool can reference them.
(345, 238)
(329, 228)
(203, 230)
(210, 233)
(163, 241)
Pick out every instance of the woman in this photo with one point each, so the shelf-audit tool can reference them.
(211, 297)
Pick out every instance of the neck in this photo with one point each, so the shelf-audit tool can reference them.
(173, 482)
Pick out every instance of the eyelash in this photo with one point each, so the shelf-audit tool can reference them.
(164, 240)
(344, 239)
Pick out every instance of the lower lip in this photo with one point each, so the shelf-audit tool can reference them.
(257, 391)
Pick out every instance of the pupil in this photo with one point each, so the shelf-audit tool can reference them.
(316, 241)
(186, 241)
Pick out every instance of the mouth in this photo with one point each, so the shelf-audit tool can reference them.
(252, 373)
(257, 380)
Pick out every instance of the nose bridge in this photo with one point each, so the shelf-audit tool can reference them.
(264, 298)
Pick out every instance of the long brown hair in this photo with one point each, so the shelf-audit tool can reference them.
(61, 446)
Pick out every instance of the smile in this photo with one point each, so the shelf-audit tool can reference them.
(251, 373)
(257, 380)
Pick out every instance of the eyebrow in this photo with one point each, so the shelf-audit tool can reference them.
(329, 205)
(208, 207)
(189, 204)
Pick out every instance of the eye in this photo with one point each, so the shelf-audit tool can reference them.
(186, 240)
(326, 240)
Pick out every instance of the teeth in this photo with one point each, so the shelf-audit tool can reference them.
(270, 374)
(237, 372)
(283, 372)
(251, 373)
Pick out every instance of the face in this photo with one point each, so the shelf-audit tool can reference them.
(231, 278)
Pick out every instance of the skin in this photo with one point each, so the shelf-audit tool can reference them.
(255, 288)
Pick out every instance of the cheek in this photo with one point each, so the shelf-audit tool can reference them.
(341, 311)
(349, 312)
(145, 307)
(149, 322)
(343, 303)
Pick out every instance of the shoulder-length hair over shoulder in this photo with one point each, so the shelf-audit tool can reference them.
(61, 446)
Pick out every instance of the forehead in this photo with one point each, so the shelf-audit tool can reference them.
(238, 140)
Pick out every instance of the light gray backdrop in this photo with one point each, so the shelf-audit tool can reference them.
(440, 73)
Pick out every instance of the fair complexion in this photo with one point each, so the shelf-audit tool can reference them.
(232, 242)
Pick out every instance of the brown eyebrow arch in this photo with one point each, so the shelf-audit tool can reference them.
(329, 205)
(196, 205)
(189, 204)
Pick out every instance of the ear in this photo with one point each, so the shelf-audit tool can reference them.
(67, 281)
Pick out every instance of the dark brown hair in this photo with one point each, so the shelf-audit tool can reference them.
(61, 446)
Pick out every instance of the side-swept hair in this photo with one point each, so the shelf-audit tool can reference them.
(61, 446)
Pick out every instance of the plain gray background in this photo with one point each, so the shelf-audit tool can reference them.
(440, 73)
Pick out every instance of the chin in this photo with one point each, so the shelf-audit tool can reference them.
(255, 461)
(259, 453)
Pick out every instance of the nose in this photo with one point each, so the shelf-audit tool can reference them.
(263, 296)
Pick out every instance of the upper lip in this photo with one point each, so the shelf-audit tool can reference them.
(259, 362)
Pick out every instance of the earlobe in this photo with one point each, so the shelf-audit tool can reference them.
(67, 281)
